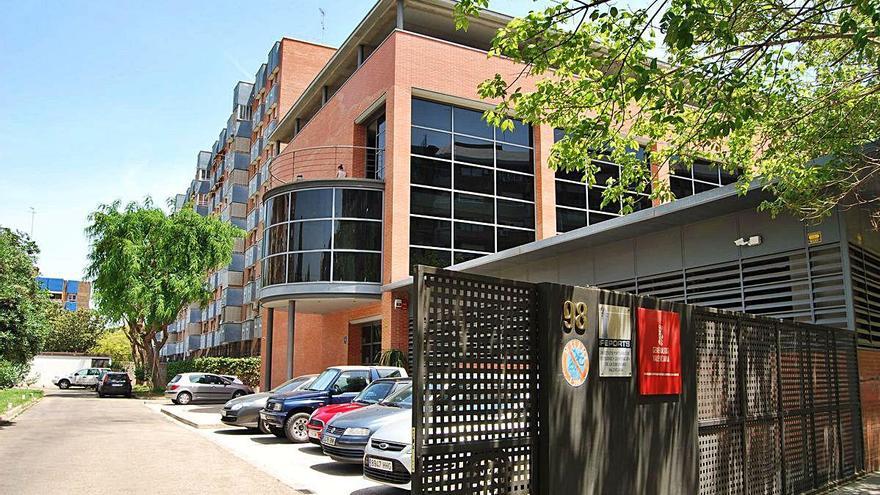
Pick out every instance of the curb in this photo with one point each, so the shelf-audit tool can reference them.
(193, 424)
(13, 413)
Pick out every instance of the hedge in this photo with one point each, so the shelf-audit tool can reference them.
(246, 369)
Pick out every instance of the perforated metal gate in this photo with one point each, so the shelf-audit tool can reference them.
(777, 405)
(476, 379)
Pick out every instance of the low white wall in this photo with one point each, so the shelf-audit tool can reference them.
(43, 368)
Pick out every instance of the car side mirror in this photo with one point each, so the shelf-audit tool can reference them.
(335, 390)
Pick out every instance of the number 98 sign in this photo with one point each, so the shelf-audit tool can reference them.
(574, 317)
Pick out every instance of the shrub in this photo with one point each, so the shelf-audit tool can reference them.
(11, 374)
(246, 369)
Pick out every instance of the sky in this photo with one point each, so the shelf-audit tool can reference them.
(112, 100)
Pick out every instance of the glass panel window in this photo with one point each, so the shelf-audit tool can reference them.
(594, 200)
(729, 178)
(431, 143)
(681, 187)
(371, 347)
(474, 237)
(567, 219)
(508, 238)
(352, 381)
(430, 232)
(277, 239)
(310, 235)
(474, 179)
(516, 158)
(353, 234)
(521, 134)
(705, 171)
(430, 114)
(473, 150)
(278, 207)
(357, 267)
(599, 217)
(462, 256)
(431, 172)
(703, 187)
(275, 270)
(359, 203)
(516, 186)
(516, 213)
(606, 171)
(474, 208)
(471, 122)
(312, 203)
(431, 202)
(308, 267)
(568, 194)
(429, 257)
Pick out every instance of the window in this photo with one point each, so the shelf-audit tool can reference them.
(578, 205)
(323, 235)
(375, 163)
(352, 381)
(472, 185)
(371, 343)
(374, 393)
(71, 297)
(701, 177)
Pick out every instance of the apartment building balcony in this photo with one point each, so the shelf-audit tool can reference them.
(260, 80)
(194, 342)
(326, 256)
(236, 161)
(203, 161)
(256, 148)
(227, 216)
(253, 219)
(232, 296)
(235, 193)
(236, 127)
(274, 59)
(200, 186)
(254, 184)
(264, 172)
(195, 315)
(247, 294)
(247, 330)
(320, 162)
(252, 255)
(257, 117)
(221, 140)
(228, 333)
(267, 132)
(272, 97)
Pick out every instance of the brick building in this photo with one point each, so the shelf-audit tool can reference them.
(71, 294)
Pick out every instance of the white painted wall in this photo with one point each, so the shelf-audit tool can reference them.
(44, 367)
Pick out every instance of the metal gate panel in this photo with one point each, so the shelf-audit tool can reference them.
(476, 376)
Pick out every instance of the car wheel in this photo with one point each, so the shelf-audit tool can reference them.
(64, 384)
(278, 432)
(237, 394)
(295, 428)
(100, 395)
(184, 398)
(262, 426)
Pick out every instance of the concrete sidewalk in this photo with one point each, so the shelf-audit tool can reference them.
(202, 416)
(867, 485)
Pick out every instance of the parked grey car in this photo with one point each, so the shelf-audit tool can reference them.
(345, 437)
(245, 411)
(204, 387)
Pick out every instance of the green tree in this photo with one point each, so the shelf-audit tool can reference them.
(147, 266)
(787, 92)
(74, 331)
(23, 305)
(115, 344)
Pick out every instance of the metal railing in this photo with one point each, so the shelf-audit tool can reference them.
(322, 162)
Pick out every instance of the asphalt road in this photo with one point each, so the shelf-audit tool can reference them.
(71, 442)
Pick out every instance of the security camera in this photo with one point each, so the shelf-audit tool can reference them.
(754, 240)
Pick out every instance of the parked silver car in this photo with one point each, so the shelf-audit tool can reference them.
(204, 387)
(245, 411)
(86, 377)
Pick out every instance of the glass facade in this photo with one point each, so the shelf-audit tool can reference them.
(579, 205)
(702, 176)
(325, 234)
(472, 186)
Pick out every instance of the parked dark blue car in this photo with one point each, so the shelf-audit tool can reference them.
(286, 415)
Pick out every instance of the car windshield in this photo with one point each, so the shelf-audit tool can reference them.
(289, 385)
(374, 393)
(324, 380)
(401, 399)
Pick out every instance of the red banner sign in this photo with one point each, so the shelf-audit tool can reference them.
(659, 348)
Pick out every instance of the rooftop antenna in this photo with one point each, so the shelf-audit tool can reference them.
(322, 23)
(33, 213)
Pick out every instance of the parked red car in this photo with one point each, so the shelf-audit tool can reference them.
(376, 392)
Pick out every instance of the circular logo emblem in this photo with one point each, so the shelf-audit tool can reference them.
(575, 363)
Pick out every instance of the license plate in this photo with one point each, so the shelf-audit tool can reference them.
(313, 434)
(331, 441)
(380, 464)
(116, 384)
(224, 413)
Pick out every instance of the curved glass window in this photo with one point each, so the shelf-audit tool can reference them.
(327, 234)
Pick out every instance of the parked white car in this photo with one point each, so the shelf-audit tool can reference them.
(86, 377)
(388, 455)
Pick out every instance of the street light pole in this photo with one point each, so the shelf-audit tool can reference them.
(33, 213)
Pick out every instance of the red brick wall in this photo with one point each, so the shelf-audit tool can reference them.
(869, 378)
